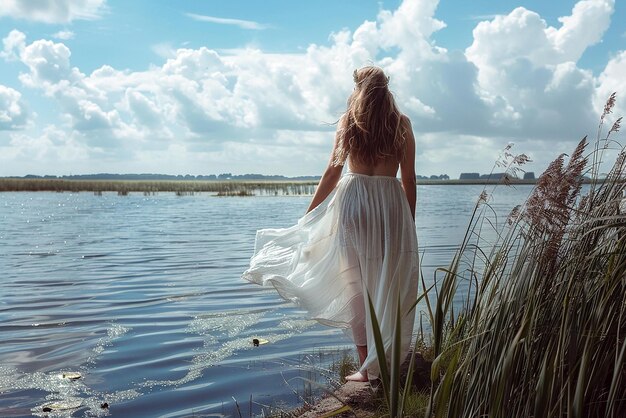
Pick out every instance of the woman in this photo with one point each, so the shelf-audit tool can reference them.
(358, 235)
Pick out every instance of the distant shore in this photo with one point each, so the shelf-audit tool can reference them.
(220, 187)
(181, 187)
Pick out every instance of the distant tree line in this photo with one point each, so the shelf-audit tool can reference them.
(221, 176)
(229, 176)
(433, 177)
(150, 176)
(492, 176)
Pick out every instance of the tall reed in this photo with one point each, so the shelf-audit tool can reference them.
(545, 333)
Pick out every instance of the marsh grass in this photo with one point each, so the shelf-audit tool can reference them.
(345, 366)
(415, 406)
(147, 187)
(545, 333)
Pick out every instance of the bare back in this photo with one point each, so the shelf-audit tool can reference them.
(384, 167)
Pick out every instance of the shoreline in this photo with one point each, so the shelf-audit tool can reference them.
(363, 400)
(8, 184)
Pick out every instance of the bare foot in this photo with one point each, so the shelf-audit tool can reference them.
(357, 377)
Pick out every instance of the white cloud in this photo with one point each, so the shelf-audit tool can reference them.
(53, 11)
(409, 28)
(13, 111)
(164, 50)
(14, 44)
(244, 24)
(144, 110)
(483, 17)
(64, 35)
(527, 70)
(583, 28)
(52, 144)
(414, 105)
(612, 80)
(244, 108)
(49, 64)
(524, 35)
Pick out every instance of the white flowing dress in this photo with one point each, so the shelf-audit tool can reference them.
(361, 239)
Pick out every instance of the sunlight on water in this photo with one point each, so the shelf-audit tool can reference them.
(113, 332)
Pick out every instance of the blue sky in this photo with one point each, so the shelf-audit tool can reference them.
(204, 87)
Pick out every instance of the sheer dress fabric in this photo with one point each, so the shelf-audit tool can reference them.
(360, 240)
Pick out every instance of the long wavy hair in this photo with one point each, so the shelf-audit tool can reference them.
(372, 128)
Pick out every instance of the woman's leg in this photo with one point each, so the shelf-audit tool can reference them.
(358, 376)
(360, 339)
(362, 350)
(357, 324)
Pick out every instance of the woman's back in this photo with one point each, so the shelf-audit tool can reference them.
(383, 167)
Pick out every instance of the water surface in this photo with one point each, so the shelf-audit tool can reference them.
(142, 296)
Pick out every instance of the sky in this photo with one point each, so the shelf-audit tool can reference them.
(208, 87)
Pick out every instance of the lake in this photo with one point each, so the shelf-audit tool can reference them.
(142, 296)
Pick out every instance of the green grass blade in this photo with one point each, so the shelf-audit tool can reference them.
(408, 383)
(380, 350)
(396, 345)
(422, 296)
(581, 384)
(616, 377)
(445, 388)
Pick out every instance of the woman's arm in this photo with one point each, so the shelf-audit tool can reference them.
(407, 166)
(329, 180)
